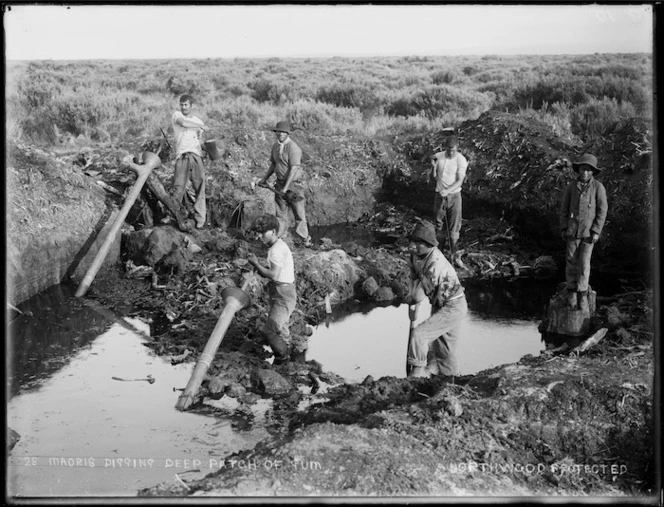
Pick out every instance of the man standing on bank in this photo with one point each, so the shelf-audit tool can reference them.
(285, 162)
(189, 157)
(449, 171)
(433, 346)
(582, 216)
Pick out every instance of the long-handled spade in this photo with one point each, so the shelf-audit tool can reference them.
(151, 161)
(412, 315)
(236, 299)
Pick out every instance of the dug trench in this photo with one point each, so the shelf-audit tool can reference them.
(568, 424)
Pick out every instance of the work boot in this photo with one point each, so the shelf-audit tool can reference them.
(583, 301)
(571, 299)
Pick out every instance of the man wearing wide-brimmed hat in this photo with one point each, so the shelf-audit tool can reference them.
(433, 344)
(285, 162)
(582, 216)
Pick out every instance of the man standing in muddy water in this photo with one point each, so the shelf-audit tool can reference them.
(582, 216)
(189, 157)
(285, 162)
(449, 171)
(281, 273)
(433, 345)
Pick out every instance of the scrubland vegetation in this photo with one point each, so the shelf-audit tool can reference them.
(121, 102)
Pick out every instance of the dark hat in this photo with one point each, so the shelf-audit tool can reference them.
(425, 231)
(283, 126)
(587, 159)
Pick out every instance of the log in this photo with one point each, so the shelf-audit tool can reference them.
(142, 175)
(593, 340)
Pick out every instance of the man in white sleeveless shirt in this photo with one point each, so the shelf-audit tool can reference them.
(283, 297)
(189, 157)
(449, 171)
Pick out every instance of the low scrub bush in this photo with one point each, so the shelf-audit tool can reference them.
(597, 118)
(436, 101)
(358, 97)
(320, 118)
(445, 77)
(264, 90)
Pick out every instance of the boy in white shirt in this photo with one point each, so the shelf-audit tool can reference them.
(189, 157)
(281, 273)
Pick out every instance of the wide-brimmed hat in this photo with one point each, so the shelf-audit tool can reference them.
(283, 126)
(587, 159)
(425, 231)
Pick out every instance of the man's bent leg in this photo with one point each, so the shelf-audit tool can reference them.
(442, 322)
(443, 356)
(282, 303)
(301, 228)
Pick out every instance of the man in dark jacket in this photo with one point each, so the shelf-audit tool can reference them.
(582, 216)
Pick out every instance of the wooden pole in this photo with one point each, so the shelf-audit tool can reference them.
(412, 315)
(236, 299)
(143, 172)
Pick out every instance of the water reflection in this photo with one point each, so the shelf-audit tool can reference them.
(89, 426)
(500, 328)
(42, 339)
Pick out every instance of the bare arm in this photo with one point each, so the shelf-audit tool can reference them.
(270, 273)
(187, 123)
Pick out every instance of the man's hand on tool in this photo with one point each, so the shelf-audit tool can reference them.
(252, 259)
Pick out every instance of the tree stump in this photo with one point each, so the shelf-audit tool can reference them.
(561, 320)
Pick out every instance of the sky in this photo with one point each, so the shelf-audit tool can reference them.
(90, 32)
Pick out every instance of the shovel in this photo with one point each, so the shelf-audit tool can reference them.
(412, 315)
(288, 196)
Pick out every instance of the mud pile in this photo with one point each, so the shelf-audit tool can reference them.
(520, 166)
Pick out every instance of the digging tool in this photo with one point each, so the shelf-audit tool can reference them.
(288, 196)
(165, 138)
(143, 171)
(236, 299)
(447, 227)
(412, 315)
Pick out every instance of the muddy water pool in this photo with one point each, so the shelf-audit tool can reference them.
(87, 426)
(500, 328)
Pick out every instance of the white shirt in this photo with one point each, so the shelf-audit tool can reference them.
(186, 138)
(447, 170)
(280, 255)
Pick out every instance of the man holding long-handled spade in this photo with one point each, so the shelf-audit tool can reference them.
(449, 171)
(432, 344)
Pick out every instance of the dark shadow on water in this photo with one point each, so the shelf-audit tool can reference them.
(52, 327)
